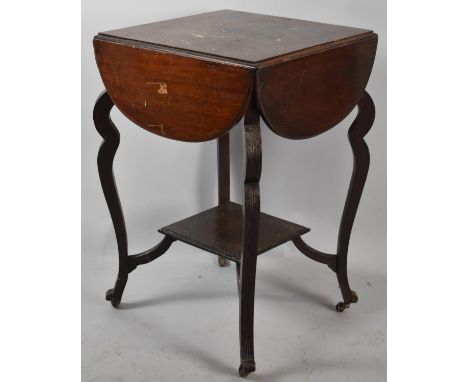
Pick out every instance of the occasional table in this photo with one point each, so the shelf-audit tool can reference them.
(192, 79)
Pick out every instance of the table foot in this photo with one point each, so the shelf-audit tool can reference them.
(110, 296)
(114, 295)
(341, 306)
(246, 367)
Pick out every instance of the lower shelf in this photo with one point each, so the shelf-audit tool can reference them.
(219, 231)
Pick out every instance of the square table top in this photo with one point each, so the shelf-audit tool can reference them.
(238, 36)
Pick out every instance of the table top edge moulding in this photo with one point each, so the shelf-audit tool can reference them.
(192, 79)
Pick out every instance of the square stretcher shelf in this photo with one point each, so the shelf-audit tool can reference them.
(219, 231)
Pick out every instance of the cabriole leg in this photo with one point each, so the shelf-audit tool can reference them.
(357, 131)
(111, 136)
(251, 214)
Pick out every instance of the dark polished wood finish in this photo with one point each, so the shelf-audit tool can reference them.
(219, 231)
(109, 146)
(173, 96)
(236, 36)
(224, 169)
(250, 229)
(339, 262)
(357, 131)
(224, 182)
(319, 91)
(150, 254)
(311, 253)
(192, 79)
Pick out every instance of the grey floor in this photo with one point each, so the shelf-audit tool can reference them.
(178, 321)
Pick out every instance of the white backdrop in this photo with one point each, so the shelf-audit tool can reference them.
(161, 181)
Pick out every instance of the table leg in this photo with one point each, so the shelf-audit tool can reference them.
(356, 133)
(111, 136)
(109, 146)
(238, 267)
(250, 228)
(223, 180)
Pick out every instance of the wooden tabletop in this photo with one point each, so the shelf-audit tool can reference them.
(239, 36)
(192, 78)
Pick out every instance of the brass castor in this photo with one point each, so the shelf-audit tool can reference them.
(110, 297)
(223, 262)
(246, 368)
(341, 306)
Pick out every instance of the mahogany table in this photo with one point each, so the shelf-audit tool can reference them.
(192, 79)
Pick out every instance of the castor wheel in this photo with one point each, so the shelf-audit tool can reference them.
(354, 297)
(246, 368)
(110, 297)
(222, 262)
(341, 306)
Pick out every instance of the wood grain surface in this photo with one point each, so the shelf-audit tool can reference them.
(174, 96)
(219, 231)
(307, 96)
(191, 78)
(244, 36)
